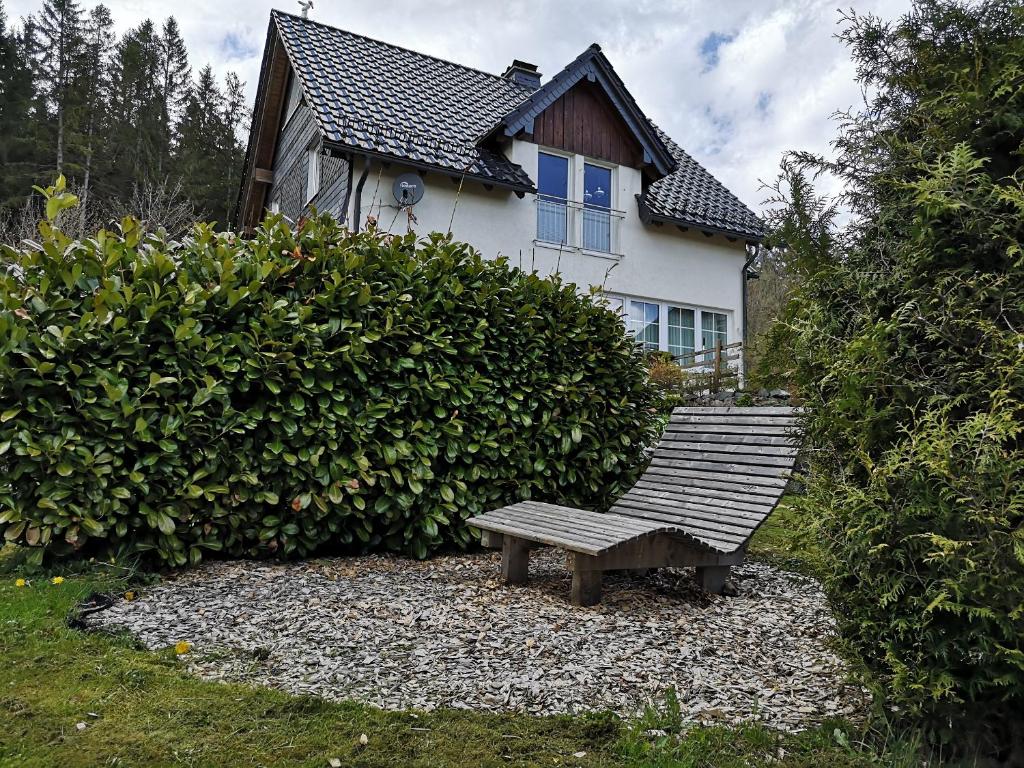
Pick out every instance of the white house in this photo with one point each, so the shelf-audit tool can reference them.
(566, 175)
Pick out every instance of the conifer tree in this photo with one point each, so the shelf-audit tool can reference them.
(16, 87)
(175, 75)
(93, 83)
(60, 34)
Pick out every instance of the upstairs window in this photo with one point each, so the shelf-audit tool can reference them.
(714, 328)
(552, 198)
(597, 204)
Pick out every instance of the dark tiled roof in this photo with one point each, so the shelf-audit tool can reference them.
(380, 98)
(692, 196)
(392, 101)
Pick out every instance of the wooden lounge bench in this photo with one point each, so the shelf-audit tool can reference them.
(715, 476)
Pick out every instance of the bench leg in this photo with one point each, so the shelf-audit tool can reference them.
(712, 578)
(490, 539)
(515, 560)
(586, 581)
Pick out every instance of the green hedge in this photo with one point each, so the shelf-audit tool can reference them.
(298, 391)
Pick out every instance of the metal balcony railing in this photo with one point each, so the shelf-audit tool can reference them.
(573, 224)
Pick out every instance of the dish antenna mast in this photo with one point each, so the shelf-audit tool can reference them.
(305, 5)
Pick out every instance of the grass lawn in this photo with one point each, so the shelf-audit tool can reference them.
(141, 709)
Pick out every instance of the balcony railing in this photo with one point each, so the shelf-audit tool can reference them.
(572, 224)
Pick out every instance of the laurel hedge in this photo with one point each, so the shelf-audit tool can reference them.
(298, 391)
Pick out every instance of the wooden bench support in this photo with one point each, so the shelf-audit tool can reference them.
(712, 578)
(490, 540)
(515, 560)
(586, 580)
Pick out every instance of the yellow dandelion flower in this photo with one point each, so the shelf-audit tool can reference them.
(57, 580)
(129, 596)
(182, 647)
(20, 583)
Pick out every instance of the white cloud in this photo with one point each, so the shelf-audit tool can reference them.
(779, 54)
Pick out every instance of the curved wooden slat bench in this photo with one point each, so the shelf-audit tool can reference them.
(715, 476)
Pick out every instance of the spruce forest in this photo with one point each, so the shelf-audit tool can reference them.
(126, 119)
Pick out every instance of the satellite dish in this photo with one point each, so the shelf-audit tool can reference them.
(408, 189)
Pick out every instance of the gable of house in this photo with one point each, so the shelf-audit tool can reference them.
(582, 121)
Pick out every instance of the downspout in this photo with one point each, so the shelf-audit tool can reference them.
(357, 204)
(744, 277)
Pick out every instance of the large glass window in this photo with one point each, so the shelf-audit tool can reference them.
(552, 195)
(645, 324)
(714, 327)
(597, 203)
(680, 332)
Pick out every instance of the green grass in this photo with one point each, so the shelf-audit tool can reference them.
(787, 541)
(141, 709)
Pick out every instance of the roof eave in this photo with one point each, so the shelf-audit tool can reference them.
(399, 160)
(647, 216)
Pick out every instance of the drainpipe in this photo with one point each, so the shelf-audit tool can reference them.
(744, 277)
(357, 205)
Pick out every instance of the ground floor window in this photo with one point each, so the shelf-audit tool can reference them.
(645, 324)
(680, 331)
(659, 326)
(714, 327)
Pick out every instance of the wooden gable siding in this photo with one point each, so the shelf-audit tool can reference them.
(583, 122)
(263, 133)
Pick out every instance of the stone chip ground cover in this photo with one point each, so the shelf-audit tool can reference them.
(399, 634)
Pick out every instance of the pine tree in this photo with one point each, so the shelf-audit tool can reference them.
(17, 91)
(202, 132)
(135, 107)
(60, 32)
(175, 75)
(235, 122)
(93, 83)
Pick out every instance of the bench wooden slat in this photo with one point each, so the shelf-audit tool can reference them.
(535, 528)
(764, 410)
(674, 501)
(710, 497)
(726, 438)
(770, 476)
(737, 421)
(597, 528)
(675, 443)
(731, 429)
(702, 479)
(597, 520)
(734, 457)
(684, 517)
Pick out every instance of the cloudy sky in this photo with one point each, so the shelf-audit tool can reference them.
(735, 82)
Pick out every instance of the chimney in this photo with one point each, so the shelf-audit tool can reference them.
(523, 73)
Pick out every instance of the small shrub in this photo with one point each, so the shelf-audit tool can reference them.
(664, 372)
(297, 390)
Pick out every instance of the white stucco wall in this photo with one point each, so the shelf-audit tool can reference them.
(656, 263)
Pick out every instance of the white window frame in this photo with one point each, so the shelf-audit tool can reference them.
(575, 186)
(582, 161)
(312, 173)
(622, 302)
(570, 194)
